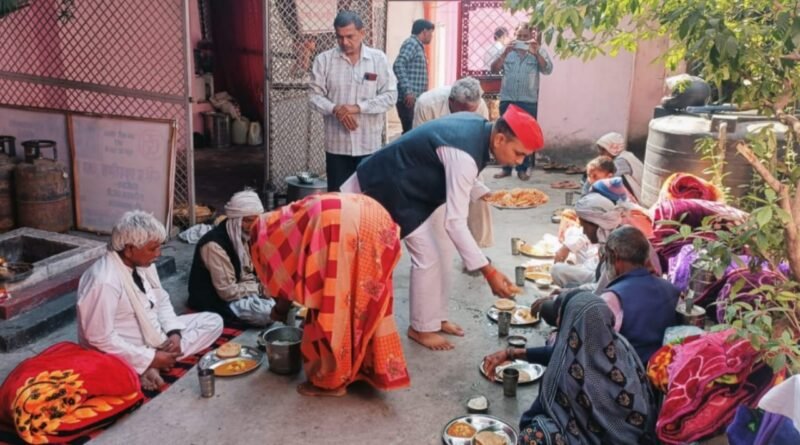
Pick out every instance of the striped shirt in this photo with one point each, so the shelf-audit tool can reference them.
(521, 76)
(411, 69)
(337, 81)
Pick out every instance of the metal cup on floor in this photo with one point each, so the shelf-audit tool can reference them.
(206, 377)
(510, 381)
(515, 243)
(519, 275)
(569, 197)
(503, 323)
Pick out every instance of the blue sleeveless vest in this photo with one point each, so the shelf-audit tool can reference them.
(407, 177)
(648, 303)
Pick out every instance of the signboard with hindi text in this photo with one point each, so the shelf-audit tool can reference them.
(121, 164)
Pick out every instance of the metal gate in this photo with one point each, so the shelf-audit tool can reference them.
(117, 57)
(296, 31)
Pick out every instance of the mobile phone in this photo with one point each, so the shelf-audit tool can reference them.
(521, 45)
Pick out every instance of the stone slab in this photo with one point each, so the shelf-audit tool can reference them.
(85, 250)
(37, 323)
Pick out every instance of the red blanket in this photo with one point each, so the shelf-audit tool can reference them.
(66, 391)
(709, 377)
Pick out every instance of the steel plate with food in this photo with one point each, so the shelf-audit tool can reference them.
(225, 364)
(544, 248)
(533, 276)
(521, 316)
(528, 372)
(518, 198)
(478, 429)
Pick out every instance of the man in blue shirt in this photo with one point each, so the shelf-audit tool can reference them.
(521, 63)
(411, 70)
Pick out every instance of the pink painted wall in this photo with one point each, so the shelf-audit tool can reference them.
(581, 101)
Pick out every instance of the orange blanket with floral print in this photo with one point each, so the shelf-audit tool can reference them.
(335, 254)
(65, 392)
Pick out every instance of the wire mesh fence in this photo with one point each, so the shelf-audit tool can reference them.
(298, 30)
(112, 57)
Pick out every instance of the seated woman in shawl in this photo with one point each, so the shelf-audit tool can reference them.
(335, 254)
(629, 167)
(594, 389)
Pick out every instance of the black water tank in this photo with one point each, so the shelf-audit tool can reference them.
(671, 149)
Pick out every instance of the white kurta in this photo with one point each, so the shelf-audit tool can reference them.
(107, 322)
(432, 105)
(431, 244)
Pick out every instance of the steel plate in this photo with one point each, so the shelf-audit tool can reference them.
(516, 318)
(480, 422)
(211, 361)
(533, 370)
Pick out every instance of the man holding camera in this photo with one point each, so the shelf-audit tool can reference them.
(521, 63)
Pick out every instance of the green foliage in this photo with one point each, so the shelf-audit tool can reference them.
(752, 46)
(771, 324)
(744, 42)
(9, 6)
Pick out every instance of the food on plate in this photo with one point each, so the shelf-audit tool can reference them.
(461, 429)
(229, 350)
(478, 404)
(524, 315)
(544, 268)
(504, 304)
(544, 283)
(546, 247)
(235, 367)
(490, 438)
(518, 197)
(524, 376)
(533, 276)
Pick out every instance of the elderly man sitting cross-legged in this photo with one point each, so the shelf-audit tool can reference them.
(222, 278)
(124, 311)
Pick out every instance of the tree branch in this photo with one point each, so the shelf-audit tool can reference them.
(769, 178)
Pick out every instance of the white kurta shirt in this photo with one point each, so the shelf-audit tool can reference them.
(106, 320)
(435, 103)
(462, 185)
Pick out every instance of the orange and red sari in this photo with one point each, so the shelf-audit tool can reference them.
(335, 255)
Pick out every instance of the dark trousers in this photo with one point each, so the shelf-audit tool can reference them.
(406, 116)
(339, 168)
(533, 109)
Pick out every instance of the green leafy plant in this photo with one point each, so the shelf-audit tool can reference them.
(752, 47)
(9, 6)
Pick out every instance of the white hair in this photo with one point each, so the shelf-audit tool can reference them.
(136, 228)
(466, 91)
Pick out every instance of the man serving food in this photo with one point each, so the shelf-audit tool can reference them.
(424, 179)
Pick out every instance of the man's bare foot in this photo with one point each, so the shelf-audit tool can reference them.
(448, 327)
(151, 380)
(430, 340)
(308, 389)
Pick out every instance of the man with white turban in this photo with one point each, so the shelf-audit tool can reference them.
(222, 278)
(629, 167)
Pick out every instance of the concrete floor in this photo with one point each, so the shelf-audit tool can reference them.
(263, 407)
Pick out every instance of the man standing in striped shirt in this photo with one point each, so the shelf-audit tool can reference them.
(411, 69)
(352, 87)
